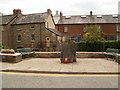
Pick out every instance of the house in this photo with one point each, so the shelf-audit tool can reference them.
(36, 31)
(74, 25)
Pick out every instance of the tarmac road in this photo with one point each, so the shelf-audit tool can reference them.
(30, 80)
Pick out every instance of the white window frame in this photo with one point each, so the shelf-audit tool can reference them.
(66, 29)
(118, 27)
(118, 36)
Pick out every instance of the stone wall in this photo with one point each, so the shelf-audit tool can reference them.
(50, 41)
(41, 35)
(78, 54)
(26, 31)
(49, 23)
(6, 37)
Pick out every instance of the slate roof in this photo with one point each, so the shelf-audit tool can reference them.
(55, 31)
(31, 18)
(88, 19)
(6, 19)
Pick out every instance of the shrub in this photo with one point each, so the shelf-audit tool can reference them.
(98, 46)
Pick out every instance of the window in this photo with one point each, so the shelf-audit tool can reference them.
(19, 38)
(105, 37)
(115, 16)
(78, 39)
(47, 38)
(32, 37)
(18, 29)
(112, 37)
(118, 36)
(65, 29)
(47, 24)
(32, 27)
(99, 16)
(118, 27)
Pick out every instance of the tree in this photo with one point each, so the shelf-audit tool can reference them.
(93, 33)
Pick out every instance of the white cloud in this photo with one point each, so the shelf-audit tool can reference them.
(66, 6)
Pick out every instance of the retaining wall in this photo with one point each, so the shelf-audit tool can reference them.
(78, 54)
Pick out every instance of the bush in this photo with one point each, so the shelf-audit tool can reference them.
(98, 46)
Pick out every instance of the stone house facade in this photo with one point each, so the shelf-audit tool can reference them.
(74, 25)
(36, 31)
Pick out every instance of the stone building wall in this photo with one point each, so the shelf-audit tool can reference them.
(49, 23)
(50, 41)
(41, 42)
(26, 31)
(6, 37)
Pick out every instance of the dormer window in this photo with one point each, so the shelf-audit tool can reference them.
(115, 16)
(99, 16)
(83, 16)
(67, 17)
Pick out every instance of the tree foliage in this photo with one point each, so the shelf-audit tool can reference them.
(93, 33)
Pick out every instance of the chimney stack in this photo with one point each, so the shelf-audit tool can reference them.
(61, 15)
(17, 12)
(91, 13)
(49, 11)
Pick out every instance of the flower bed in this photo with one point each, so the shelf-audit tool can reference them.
(8, 51)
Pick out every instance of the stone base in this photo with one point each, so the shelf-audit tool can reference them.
(11, 59)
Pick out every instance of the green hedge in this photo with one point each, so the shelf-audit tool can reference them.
(98, 46)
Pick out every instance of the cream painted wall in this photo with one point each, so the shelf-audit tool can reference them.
(50, 23)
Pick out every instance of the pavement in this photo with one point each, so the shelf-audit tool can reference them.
(53, 65)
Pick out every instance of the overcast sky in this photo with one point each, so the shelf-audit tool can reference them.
(68, 7)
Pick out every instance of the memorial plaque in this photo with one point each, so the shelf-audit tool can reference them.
(68, 52)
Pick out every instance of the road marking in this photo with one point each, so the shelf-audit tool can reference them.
(59, 75)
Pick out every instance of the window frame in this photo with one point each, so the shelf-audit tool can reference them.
(19, 40)
(32, 39)
(32, 27)
(65, 29)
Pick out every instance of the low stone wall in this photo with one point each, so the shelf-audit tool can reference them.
(78, 54)
(90, 55)
(47, 55)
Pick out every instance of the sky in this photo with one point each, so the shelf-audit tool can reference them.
(68, 7)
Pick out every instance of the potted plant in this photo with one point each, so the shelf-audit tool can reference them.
(9, 51)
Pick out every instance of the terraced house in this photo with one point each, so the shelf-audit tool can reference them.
(36, 31)
(74, 25)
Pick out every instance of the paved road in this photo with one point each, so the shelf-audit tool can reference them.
(23, 80)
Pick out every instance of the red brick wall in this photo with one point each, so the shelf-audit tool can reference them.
(72, 29)
(110, 29)
(77, 29)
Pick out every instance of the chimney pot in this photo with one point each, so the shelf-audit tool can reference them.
(61, 15)
(91, 13)
(17, 11)
(56, 12)
(49, 11)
